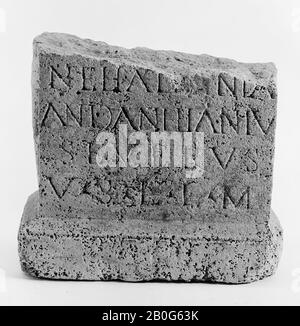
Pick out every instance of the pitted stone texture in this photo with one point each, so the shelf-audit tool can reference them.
(135, 250)
(139, 224)
(82, 87)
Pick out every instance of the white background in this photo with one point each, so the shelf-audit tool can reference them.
(249, 31)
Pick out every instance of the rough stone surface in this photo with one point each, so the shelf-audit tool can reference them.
(109, 249)
(150, 223)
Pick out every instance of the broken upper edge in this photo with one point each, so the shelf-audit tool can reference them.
(172, 62)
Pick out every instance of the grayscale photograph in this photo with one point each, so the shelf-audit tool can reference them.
(150, 156)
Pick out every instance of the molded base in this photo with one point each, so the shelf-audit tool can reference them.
(139, 250)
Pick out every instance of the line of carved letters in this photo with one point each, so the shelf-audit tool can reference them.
(121, 79)
(239, 121)
(221, 196)
(224, 161)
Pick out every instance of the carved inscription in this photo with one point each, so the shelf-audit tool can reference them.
(112, 78)
(233, 86)
(83, 98)
(240, 122)
(109, 78)
(145, 193)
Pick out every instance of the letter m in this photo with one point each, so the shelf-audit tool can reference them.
(230, 201)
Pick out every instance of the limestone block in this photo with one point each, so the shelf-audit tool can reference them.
(116, 222)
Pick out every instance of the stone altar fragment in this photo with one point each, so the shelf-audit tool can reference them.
(149, 223)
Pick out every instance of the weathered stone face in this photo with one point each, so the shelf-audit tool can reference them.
(81, 88)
